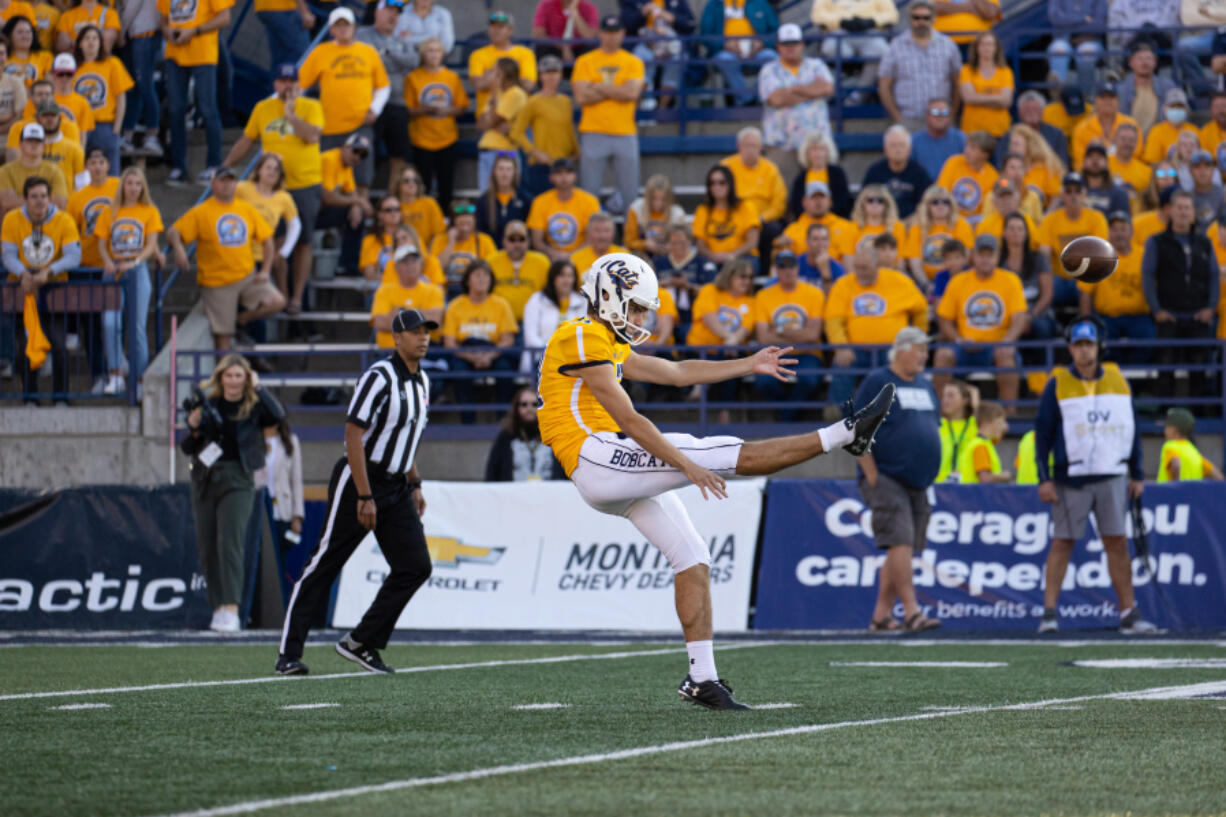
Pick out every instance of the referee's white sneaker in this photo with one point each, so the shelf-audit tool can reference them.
(366, 657)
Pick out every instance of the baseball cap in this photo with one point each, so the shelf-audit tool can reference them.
(499, 17)
(611, 22)
(47, 106)
(1181, 420)
(33, 130)
(1106, 88)
(1164, 195)
(357, 141)
(407, 320)
(1175, 96)
(986, 241)
(404, 251)
(285, 70)
(1096, 147)
(1083, 331)
(1119, 215)
(909, 336)
(1203, 156)
(1004, 185)
(785, 258)
(224, 172)
(550, 63)
(64, 64)
(561, 164)
(790, 33)
(815, 188)
(1073, 178)
(398, 5)
(339, 14)
(1072, 99)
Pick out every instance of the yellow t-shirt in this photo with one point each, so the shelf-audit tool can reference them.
(860, 236)
(608, 116)
(982, 308)
(994, 225)
(125, 232)
(1211, 137)
(964, 22)
(761, 185)
(1089, 130)
(58, 229)
(74, 109)
(267, 126)
(668, 306)
(1120, 293)
(223, 234)
(348, 76)
(334, 173)
(564, 223)
(1145, 225)
(782, 311)
(1215, 238)
(735, 22)
(552, 120)
(486, 57)
(1031, 206)
(1058, 229)
(488, 320)
(968, 187)
(872, 314)
(1134, 177)
(13, 176)
(392, 295)
(842, 234)
(477, 245)
(68, 157)
(518, 285)
(201, 49)
(425, 216)
(1055, 115)
(733, 311)
(376, 250)
(927, 246)
(86, 207)
(35, 66)
(275, 208)
(569, 412)
(510, 103)
(995, 121)
(1161, 138)
(275, 5)
(585, 256)
(46, 16)
(67, 127)
(724, 231)
(17, 8)
(1041, 180)
(72, 21)
(431, 271)
(423, 88)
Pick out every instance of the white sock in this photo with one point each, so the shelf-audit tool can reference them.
(702, 660)
(835, 436)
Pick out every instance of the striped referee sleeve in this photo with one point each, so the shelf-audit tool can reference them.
(367, 398)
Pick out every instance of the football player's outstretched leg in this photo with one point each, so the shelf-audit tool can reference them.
(623, 465)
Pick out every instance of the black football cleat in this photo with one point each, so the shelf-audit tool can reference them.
(711, 694)
(366, 657)
(865, 422)
(291, 666)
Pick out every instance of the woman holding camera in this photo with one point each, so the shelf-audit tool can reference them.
(229, 422)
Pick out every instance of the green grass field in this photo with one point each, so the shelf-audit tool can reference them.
(1035, 736)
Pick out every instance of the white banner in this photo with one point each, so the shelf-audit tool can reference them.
(533, 555)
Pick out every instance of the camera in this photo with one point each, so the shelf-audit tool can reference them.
(210, 418)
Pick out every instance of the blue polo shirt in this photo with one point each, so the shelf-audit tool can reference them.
(908, 446)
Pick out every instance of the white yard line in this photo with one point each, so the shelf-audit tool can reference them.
(308, 706)
(923, 664)
(535, 707)
(81, 706)
(781, 705)
(269, 679)
(644, 751)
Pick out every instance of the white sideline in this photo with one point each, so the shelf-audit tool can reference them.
(923, 664)
(268, 679)
(642, 751)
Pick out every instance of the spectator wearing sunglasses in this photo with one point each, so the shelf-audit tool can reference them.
(460, 244)
(938, 140)
(920, 65)
(518, 271)
(936, 223)
(873, 214)
(518, 455)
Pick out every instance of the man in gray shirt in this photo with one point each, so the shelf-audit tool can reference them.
(399, 58)
(920, 65)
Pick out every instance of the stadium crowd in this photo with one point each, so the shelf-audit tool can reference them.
(957, 228)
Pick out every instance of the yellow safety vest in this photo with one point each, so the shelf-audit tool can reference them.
(966, 459)
(1025, 466)
(1191, 466)
(955, 435)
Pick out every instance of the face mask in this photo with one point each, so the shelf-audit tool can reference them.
(1176, 116)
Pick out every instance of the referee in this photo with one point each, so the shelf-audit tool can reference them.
(374, 487)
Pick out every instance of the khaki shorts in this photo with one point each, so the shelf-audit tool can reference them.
(1106, 498)
(900, 513)
(221, 303)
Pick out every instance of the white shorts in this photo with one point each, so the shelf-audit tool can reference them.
(616, 476)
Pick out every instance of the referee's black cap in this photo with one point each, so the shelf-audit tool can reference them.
(407, 320)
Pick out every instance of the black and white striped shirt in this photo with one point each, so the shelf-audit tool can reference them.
(391, 405)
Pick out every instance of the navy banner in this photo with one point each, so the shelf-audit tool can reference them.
(983, 565)
(106, 557)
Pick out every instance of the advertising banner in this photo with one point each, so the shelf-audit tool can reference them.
(107, 557)
(983, 565)
(533, 555)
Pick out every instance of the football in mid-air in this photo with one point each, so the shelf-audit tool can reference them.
(1089, 259)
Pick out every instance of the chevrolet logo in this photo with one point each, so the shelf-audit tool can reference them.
(447, 551)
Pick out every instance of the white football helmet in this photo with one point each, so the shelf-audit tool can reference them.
(612, 283)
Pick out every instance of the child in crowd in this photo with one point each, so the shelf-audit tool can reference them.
(978, 461)
(1180, 460)
(955, 257)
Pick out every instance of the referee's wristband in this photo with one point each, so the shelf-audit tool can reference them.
(365, 498)
(414, 485)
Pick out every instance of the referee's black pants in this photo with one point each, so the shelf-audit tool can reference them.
(401, 538)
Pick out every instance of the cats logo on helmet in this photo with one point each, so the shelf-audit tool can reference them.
(612, 283)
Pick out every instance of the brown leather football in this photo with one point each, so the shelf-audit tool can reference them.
(1089, 259)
